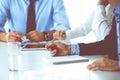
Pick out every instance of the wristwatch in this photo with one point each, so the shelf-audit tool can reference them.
(47, 36)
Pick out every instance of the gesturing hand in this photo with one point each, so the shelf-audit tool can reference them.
(58, 49)
(61, 35)
(35, 36)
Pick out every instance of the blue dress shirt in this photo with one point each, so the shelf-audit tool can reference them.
(50, 14)
(117, 17)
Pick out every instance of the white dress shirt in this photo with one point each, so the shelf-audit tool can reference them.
(97, 24)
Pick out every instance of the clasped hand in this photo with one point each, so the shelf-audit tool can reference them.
(33, 36)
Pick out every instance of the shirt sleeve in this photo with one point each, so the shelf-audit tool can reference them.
(60, 16)
(4, 8)
(75, 49)
(99, 24)
(117, 18)
(82, 29)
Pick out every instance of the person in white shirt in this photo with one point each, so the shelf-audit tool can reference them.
(100, 26)
(97, 24)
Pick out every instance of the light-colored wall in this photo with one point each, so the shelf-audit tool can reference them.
(78, 11)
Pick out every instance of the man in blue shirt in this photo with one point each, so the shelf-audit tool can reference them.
(50, 16)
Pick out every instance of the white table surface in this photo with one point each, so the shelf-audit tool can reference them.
(37, 67)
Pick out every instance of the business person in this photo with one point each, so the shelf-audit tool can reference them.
(58, 49)
(109, 64)
(50, 15)
(98, 23)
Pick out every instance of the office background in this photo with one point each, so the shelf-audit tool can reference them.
(78, 11)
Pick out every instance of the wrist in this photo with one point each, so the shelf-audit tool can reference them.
(74, 49)
(68, 49)
(48, 35)
(103, 2)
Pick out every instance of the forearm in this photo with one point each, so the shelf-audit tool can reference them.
(114, 3)
(103, 2)
(60, 16)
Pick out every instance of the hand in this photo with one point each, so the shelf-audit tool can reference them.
(35, 36)
(59, 35)
(14, 36)
(103, 2)
(104, 64)
(114, 3)
(58, 49)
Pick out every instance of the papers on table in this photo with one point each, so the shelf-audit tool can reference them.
(69, 59)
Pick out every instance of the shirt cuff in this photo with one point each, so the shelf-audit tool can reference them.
(68, 34)
(119, 60)
(75, 50)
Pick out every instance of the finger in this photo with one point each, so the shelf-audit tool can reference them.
(16, 34)
(14, 37)
(62, 34)
(55, 35)
(33, 36)
(50, 45)
(95, 68)
(91, 66)
(30, 33)
(59, 35)
(53, 53)
(52, 50)
(108, 68)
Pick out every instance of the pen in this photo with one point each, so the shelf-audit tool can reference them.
(24, 39)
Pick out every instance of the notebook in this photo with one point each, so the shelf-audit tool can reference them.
(69, 59)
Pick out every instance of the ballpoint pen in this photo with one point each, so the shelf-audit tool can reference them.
(24, 39)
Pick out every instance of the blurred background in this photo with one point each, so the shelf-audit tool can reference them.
(78, 11)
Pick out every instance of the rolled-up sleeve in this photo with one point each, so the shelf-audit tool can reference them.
(60, 16)
(98, 23)
(101, 25)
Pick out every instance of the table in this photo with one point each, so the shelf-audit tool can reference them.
(37, 67)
